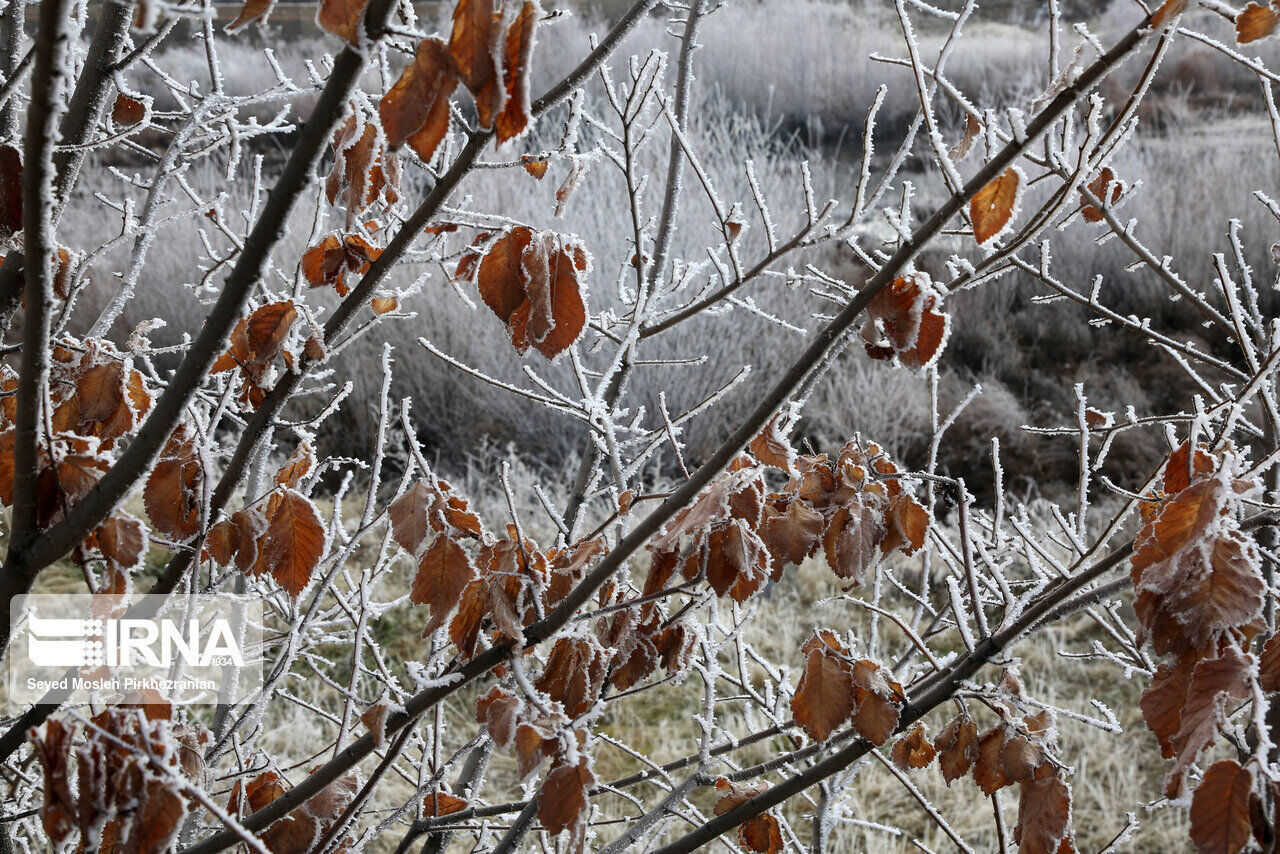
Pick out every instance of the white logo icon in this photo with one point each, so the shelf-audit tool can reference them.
(64, 643)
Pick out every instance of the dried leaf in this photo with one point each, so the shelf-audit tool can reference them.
(516, 114)
(959, 151)
(474, 43)
(294, 541)
(1098, 189)
(1220, 822)
(562, 802)
(343, 18)
(1256, 21)
(127, 112)
(172, 495)
(957, 746)
(444, 572)
(991, 208)
(1044, 815)
(824, 699)
(852, 537)
(913, 750)
(416, 108)
(533, 282)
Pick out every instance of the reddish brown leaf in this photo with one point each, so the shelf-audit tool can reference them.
(761, 833)
(824, 699)
(444, 572)
(127, 112)
(267, 328)
(574, 674)
(736, 561)
(416, 108)
(960, 150)
(1044, 815)
(791, 535)
(173, 492)
(1220, 821)
(299, 464)
(1215, 684)
(343, 18)
(879, 700)
(294, 541)
(1269, 665)
(535, 166)
(533, 282)
(988, 767)
(1169, 10)
(474, 43)
(384, 305)
(122, 539)
(252, 10)
(771, 446)
(1179, 470)
(991, 208)
(515, 116)
(562, 802)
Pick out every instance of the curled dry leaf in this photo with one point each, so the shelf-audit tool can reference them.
(173, 491)
(416, 109)
(533, 281)
(562, 801)
(252, 10)
(913, 750)
(760, 833)
(992, 208)
(959, 151)
(1044, 814)
(328, 262)
(957, 747)
(535, 166)
(905, 321)
(516, 112)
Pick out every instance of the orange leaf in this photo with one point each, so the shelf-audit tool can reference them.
(1098, 189)
(444, 572)
(173, 492)
(574, 674)
(1167, 12)
(294, 541)
(852, 537)
(1255, 22)
(535, 166)
(533, 282)
(992, 207)
(1220, 821)
(253, 10)
(791, 535)
(384, 305)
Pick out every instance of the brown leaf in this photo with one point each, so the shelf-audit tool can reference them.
(761, 833)
(172, 495)
(908, 523)
(957, 746)
(1254, 22)
(439, 803)
(1269, 665)
(913, 750)
(1098, 189)
(410, 523)
(959, 151)
(444, 572)
(384, 305)
(416, 108)
(343, 18)
(988, 767)
(824, 699)
(515, 116)
(792, 534)
(267, 328)
(10, 191)
(852, 537)
(879, 700)
(1044, 815)
(904, 320)
(574, 674)
(127, 112)
(737, 561)
(1215, 684)
(122, 539)
(294, 541)
(533, 282)
(1180, 471)
(474, 43)
(991, 208)
(771, 446)
(1220, 821)
(252, 10)
(562, 802)
(101, 391)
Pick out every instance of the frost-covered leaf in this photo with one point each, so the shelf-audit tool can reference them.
(416, 109)
(294, 541)
(991, 209)
(444, 571)
(562, 801)
(173, 492)
(515, 116)
(1044, 814)
(824, 699)
(957, 747)
(1256, 21)
(1220, 822)
(343, 18)
(533, 281)
(913, 750)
